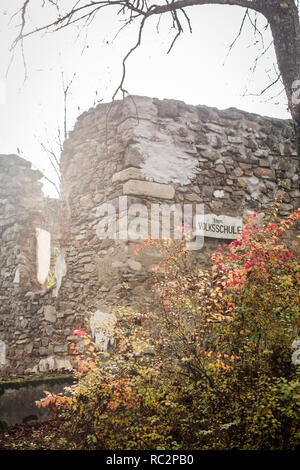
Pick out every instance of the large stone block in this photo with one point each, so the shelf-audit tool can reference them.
(50, 313)
(128, 174)
(134, 156)
(264, 173)
(102, 326)
(148, 189)
(210, 155)
(2, 353)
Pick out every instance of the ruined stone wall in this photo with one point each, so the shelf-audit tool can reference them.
(20, 211)
(154, 151)
(119, 161)
(30, 330)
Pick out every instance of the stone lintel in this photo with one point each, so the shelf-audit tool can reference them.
(127, 174)
(148, 189)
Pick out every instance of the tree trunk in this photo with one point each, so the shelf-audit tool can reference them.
(284, 22)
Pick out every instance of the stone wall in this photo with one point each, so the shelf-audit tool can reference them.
(20, 212)
(121, 161)
(153, 151)
(30, 330)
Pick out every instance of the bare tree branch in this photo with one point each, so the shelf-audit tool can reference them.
(282, 16)
(273, 82)
(137, 44)
(66, 89)
(21, 153)
(238, 35)
(53, 155)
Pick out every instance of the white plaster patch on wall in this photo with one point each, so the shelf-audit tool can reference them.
(17, 276)
(43, 254)
(145, 129)
(102, 325)
(2, 353)
(161, 155)
(51, 363)
(255, 186)
(60, 271)
(140, 107)
(166, 163)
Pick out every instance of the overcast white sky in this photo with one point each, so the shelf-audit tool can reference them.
(192, 72)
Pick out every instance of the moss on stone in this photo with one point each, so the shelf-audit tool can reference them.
(34, 381)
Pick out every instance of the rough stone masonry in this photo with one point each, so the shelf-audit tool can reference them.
(124, 158)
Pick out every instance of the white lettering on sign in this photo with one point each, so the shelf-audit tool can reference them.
(218, 226)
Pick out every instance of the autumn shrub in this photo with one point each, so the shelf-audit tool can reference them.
(210, 367)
